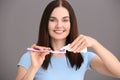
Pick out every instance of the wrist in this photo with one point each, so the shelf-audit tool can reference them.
(95, 44)
(34, 68)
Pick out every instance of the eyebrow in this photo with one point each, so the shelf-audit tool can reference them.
(63, 17)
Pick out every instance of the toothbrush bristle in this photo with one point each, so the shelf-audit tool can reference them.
(62, 50)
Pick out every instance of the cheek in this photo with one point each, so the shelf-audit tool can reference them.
(50, 28)
(51, 25)
(68, 26)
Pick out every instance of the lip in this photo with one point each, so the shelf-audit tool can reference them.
(59, 31)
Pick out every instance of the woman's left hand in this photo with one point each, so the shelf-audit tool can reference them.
(82, 42)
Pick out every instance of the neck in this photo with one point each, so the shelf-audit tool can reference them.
(58, 44)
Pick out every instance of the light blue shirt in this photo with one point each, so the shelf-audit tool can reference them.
(60, 68)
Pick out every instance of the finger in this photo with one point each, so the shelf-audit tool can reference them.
(40, 47)
(76, 41)
(36, 53)
(82, 46)
(77, 45)
(33, 53)
(79, 48)
(44, 54)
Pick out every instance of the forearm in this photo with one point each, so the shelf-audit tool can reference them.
(109, 60)
(30, 74)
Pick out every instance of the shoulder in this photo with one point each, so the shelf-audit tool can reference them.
(27, 54)
(88, 57)
(25, 60)
(88, 54)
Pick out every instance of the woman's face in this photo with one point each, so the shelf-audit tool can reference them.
(59, 24)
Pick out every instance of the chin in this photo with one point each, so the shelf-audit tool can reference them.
(59, 38)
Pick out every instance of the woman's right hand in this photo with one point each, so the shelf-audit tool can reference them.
(37, 58)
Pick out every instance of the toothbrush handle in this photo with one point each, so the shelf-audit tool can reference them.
(32, 49)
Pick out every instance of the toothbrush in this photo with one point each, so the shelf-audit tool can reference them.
(32, 49)
(62, 50)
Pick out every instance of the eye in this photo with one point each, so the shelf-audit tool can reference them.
(52, 19)
(65, 20)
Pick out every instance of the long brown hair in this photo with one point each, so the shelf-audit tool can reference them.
(44, 38)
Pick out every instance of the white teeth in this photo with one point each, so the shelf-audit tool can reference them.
(59, 31)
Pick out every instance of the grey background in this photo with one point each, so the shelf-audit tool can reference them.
(19, 24)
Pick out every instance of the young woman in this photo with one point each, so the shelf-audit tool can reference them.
(58, 28)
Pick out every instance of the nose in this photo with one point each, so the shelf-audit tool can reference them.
(59, 24)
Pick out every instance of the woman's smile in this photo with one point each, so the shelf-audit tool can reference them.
(59, 31)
